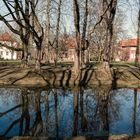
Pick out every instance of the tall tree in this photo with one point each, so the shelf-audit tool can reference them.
(138, 38)
(109, 19)
(58, 29)
(22, 30)
(47, 33)
(76, 12)
(84, 33)
(20, 13)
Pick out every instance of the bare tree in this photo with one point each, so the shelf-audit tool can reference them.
(76, 11)
(18, 19)
(109, 19)
(57, 29)
(84, 40)
(47, 34)
(138, 39)
(21, 15)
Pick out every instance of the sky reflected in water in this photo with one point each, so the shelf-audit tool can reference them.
(69, 112)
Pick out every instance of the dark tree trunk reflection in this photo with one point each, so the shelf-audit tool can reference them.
(37, 127)
(84, 123)
(75, 105)
(47, 112)
(135, 112)
(25, 117)
(82, 109)
(56, 113)
(102, 108)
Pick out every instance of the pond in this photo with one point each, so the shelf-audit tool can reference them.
(59, 112)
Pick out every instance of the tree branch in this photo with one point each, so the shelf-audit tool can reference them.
(10, 47)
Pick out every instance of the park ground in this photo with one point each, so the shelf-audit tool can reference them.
(123, 75)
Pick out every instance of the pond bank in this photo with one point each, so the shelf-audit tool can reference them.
(114, 137)
(63, 76)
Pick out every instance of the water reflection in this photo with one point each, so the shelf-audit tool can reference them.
(65, 113)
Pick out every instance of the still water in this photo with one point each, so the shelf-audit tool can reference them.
(68, 112)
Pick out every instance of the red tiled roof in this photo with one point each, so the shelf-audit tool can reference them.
(71, 43)
(129, 43)
(6, 37)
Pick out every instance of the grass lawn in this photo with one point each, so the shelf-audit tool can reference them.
(123, 63)
(13, 62)
(10, 62)
(63, 64)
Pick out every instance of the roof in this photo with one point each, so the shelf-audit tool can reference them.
(129, 43)
(71, 43)
(6, 37)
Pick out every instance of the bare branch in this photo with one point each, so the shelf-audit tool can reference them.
(10, 47)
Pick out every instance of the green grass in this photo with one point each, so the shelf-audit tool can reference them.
(123, 63)
(10, 62)
(13, 62)
(63, 64)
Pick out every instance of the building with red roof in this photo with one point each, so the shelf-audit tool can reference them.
(9, 40)
(6, 37)
(70, 45)
(129, 43)
(66, 50)
(127, 50)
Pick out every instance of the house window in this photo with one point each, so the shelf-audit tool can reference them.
(1, 52)
(132, 54)
(7, 53)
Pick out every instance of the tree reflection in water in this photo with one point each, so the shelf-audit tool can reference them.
(25, 116)
(65, 113)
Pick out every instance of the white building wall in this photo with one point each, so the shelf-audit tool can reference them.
(6, 54)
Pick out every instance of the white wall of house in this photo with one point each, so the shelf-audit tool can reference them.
(7, 54)
(71, 54)
(132, 53)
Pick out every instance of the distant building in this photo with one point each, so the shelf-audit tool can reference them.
(127, 50)
(5, 53)
(66, 50)
(70, 46)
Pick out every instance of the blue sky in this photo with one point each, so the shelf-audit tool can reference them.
(128, 6)
(130, 10)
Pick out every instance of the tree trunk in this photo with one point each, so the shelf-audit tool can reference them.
(57, 30)
(25, 56)
(109, 19)
(38, 34)
(47, 48)
(38, 59)
(137, 59)
(77, 61)
(84, 43)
